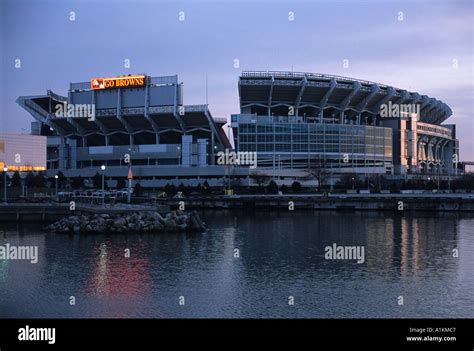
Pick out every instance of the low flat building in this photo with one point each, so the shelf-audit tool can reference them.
(22, 152)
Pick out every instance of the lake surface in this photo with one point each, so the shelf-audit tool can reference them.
(281, 260)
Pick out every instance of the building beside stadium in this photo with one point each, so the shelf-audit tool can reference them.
(294, 124)
(22, 152)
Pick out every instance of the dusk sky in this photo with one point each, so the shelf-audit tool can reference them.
(430, 51)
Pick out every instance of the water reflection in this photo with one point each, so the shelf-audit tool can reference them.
(404, 244)
(117, 275)
(247, 265)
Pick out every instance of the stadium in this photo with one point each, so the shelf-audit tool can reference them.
(139, 117)
(295, 123)
(306, 120)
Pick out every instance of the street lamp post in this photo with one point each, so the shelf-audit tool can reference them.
(5, 169)
(103, 185)
(179, 156)
(56, 178)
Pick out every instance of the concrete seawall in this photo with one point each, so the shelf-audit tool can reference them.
(372, 202)
(46, 212)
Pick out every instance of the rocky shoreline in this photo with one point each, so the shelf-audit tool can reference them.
(136, 222)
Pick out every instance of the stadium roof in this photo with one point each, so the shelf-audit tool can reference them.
(321, 91)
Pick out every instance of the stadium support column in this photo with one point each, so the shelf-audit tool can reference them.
(176, 114)
(362, 105)
(378, 105)
(62, 154)
(304, 83)
(269, 109)
(153, 124)
(202, 151)
(119, 103)
(72, 153)
(355, 89)
(121, 119)
(325, 99)
(99, 123)
(439, 159)
(186, 151)
(147, 100)
(80, 130)
(443, 158)
(422, 161)
(214, 132)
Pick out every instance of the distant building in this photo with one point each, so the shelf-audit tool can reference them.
(22, 152)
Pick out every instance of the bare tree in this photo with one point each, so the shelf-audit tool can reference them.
(319, 171)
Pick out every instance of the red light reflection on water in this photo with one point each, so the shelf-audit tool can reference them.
(117, 276)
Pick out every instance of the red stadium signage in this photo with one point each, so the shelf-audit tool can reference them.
(117, 82)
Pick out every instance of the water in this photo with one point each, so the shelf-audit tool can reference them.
(281, 255)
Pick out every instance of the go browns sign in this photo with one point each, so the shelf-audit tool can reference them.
(117, 82)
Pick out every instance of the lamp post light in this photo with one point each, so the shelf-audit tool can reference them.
(214, 152)
(5, 169)
(103, 185)
(56, 178)
(179, 155)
